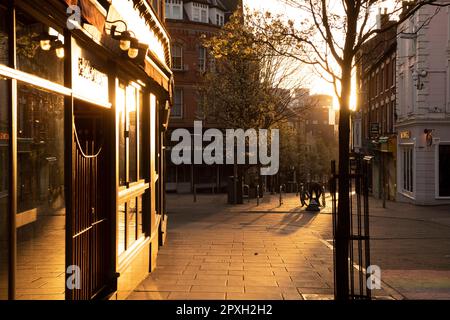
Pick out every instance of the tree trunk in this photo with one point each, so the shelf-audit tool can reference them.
(343, 214)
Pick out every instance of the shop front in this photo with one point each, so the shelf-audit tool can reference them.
(84, 105)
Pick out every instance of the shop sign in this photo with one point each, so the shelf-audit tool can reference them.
(405, 134)
(374, 128)
(4, 136)
(88, 81)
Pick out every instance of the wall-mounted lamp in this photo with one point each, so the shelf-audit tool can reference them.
(49, 42)
(133, 50)
(59, 49)
(416, 76)
(45, 41)
(127, 40)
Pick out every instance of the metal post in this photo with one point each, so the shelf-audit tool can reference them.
(383, 169)
(195, 192)
(257, 195)
(281, 198)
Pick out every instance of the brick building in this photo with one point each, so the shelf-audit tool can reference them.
(374, 119)
(187, 22)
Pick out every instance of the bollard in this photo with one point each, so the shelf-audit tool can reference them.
(257, 195)
(195, 193)
(281, 199)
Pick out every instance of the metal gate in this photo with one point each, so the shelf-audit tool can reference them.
(357, 235)
(90, 224)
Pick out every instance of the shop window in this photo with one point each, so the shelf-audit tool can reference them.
(141, 137)
(128, 104)
(132, 175)
(408, 174)
(177, 109)
(120, 95)
(129, 223)
(177, 57)
(37, 46)
(3, 34)
(4, 186)
(444, 170)
(4, 156)
(131, 125)
(40, 194)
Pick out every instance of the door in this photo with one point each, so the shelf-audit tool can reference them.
(90, 222)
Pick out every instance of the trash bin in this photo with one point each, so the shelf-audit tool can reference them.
(239, 193)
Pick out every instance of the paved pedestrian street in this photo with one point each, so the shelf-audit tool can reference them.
(220, 251)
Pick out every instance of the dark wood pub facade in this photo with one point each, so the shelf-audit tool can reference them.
(85, 96)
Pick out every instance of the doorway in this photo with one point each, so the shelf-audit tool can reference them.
(90, 221)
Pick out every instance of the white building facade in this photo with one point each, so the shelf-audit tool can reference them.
(423, 107)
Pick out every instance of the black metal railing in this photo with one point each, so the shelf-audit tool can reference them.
(89, 220)
(357, 236)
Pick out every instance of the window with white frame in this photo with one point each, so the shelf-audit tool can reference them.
(408, 173)
(202, 59)
(174, 9)
(219, 19)
(177, 57)
(200, 12)
(177, 109)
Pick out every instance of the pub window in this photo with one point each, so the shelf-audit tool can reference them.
(177, 109)
(40, 192)
(33, 58)
(177, 57)
(3, 34)
(408, 179)
(444, 170)
(4, 183)
(132, 184)
(130, 109)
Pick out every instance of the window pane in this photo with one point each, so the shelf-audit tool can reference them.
(132, 134)
(120, 94)
(131, 222)
(204, 18)
(178, 103)
(139, 216)
(3, 34)
(121, 228)
(444, 170)
(411, 170)
(40, 194)
(4, 183)
(31, 57)
(202, 59)
(177, 57)
(176, 12)
(141, 136)
(196, 14)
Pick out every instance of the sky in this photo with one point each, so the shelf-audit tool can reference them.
(317, 85)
